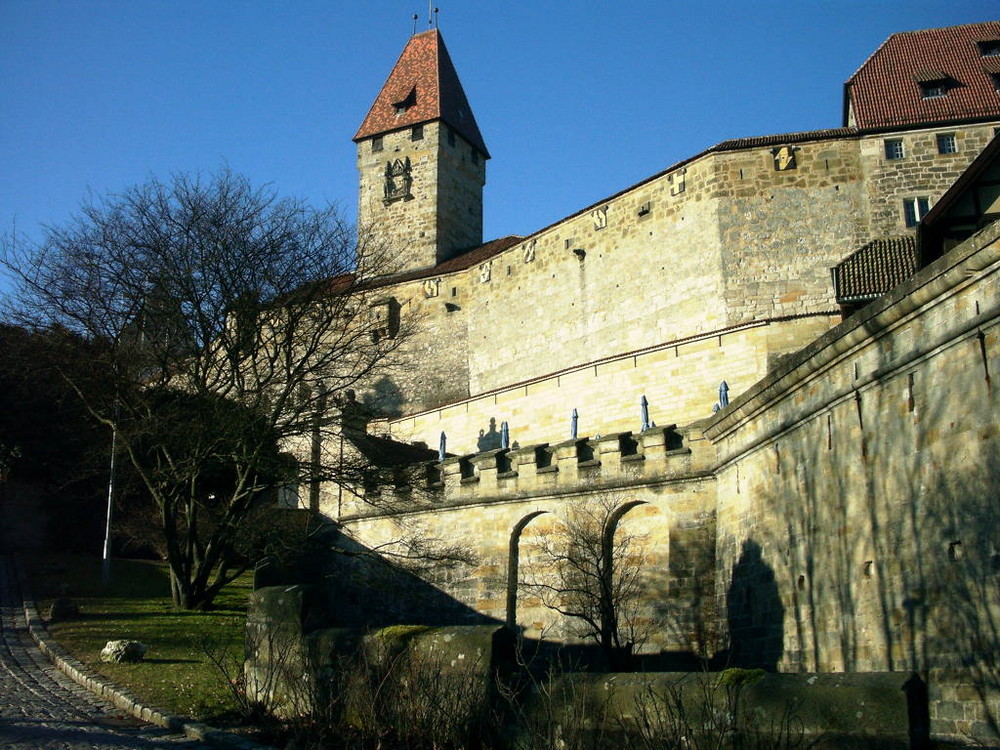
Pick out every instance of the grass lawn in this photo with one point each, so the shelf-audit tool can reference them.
(176, 674)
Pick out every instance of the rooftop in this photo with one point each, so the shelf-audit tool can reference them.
(930, 76)
(422, 87)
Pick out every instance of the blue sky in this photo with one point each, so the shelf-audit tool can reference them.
(576, 100)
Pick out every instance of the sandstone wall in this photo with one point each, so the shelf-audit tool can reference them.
(922, 172)
(680, 382)
(857, 491)
(443, 213)
(782, 230)
(511, 510)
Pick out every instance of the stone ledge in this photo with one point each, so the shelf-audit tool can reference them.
(120, 697)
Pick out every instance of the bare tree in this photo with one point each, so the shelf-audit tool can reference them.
(594, 577)
(207, 322)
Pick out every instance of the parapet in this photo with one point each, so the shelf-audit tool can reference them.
(621, 459)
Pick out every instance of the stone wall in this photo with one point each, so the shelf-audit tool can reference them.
(782, 230)
(723, 240)
(857, 490)
(503, 506)
(680, 380)
(921, 172)
(442, 213)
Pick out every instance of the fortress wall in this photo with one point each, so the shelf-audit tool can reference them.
(858, 489)
(670, 527)
(782, 230)
(724, 240)
(680, 383)
(431, 365)
(642, 280)
(921, 172)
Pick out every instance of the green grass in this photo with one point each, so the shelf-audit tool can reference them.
(176, 674)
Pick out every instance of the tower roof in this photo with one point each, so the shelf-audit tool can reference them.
(922, 77)
(422, 87)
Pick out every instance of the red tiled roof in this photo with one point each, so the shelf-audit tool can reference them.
(424, 79)
(885, 91)
(735, 144)
(460, 262)
(875, 268)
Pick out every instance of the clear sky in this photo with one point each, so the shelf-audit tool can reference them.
(576, 100)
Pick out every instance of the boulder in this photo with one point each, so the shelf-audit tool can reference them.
(123, 652)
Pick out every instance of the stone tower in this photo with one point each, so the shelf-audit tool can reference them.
(422, 160)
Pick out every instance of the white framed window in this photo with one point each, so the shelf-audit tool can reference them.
(894, 149)
(946, 143)
(934, 89)
(914, 209)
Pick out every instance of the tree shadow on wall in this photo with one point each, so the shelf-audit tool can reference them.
(385, 399)
(754, 612)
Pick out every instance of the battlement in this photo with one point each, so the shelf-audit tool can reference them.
(622, 459)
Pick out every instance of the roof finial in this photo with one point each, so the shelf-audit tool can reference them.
(415, 23)
(435, 18)
(430, 4)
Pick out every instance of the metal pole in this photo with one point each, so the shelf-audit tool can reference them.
(106, 560)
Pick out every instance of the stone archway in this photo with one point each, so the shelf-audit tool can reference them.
(513, 563)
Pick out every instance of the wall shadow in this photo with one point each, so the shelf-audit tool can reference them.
(754, 612)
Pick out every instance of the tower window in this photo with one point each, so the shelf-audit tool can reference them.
(894, 148)
(409, 101)
(451, 137)
(914, 209)
(475, 155)
(376, 144)
(946, 143)
(417, 134)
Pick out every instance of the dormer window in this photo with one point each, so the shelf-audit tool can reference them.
(933, 89)
(989, 47)
(933, 83)
(410, 100)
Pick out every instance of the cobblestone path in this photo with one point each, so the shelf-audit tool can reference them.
(42, 708)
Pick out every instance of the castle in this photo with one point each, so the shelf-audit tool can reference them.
(776, 357)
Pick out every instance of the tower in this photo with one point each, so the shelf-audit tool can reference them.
(422, 160)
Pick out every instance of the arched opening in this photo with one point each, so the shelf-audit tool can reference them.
(513, 558)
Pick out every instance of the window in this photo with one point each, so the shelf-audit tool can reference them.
(996, 80)
(409, 101)
(989, 47)
(934, 89)
(451, 137)
(914, 209)
(376, 144)
(894, 148)
(417, 134)
(475, 155)
(946, 143)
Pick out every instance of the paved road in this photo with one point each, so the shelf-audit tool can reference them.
(41, 708)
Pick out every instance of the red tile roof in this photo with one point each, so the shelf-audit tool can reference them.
(874, 269)
(425, 82)
(885, 91)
